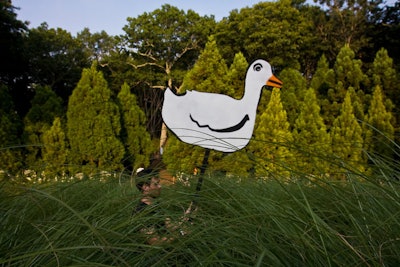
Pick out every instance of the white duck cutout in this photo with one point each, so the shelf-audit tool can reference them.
(217, 121)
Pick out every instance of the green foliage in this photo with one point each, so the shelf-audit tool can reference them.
(97, 46)
(134, 135)
(383, 74)
(45, 107)
(55, 150)
(323, 78)
(12, 33)
(292, 92)
(276, 31)
(348, 75)
(56, 59)
(157, 50)
(311, 137)
(347, 140)
(93, 124)
(236, 76)
(379, 131)
(348, 72)
(272, 139)
(182, 157)
(209, 71)
(161, 46)
(346, 23)
(164, 41)
(237, 223)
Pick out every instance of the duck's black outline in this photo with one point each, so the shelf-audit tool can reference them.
(224, 130)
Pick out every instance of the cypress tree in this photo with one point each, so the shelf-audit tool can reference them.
(347, 141)
(311, 137)
(348, 73)
(379, 131)
(134, 136)
(55, 151)
(93, 123)
(272, 140)
(292, 92)
(323, 78)
(208, 74)
(383, 74)
(236, 76)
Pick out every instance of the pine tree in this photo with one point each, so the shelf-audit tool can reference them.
(347, 141)
(207, 75)
(292, 92)
(94, 124)
(134, 136)
(272, 140)
(384, 74)
(45, 106)
(55, 151)
(379, 131)
(349, 74)
(236, 76)
(323, 78)
(311, 137)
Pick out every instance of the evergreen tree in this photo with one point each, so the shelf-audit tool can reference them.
(272, 140)
(236, 76)
(323, 81)
(292, 92)
(379, 131)
(94, 124)
(383, 74)
(55, 151)
(323, 78)
(45, 106)
(348, 73)
(207, 75)
(347, 141)
(134, 136)
(311, 137)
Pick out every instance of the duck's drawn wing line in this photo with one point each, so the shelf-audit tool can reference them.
(224, 130)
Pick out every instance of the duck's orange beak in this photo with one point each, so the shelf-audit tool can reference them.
(274, 82)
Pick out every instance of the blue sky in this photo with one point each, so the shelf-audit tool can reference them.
(110, 15)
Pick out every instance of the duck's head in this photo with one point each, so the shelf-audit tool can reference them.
(260, 73)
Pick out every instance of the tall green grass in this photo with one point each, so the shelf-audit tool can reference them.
(238, 222)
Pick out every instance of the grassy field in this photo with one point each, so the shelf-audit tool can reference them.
(237, 223)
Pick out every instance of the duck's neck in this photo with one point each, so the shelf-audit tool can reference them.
(252, 95)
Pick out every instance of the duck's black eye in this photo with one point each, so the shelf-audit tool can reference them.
(257, 67)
